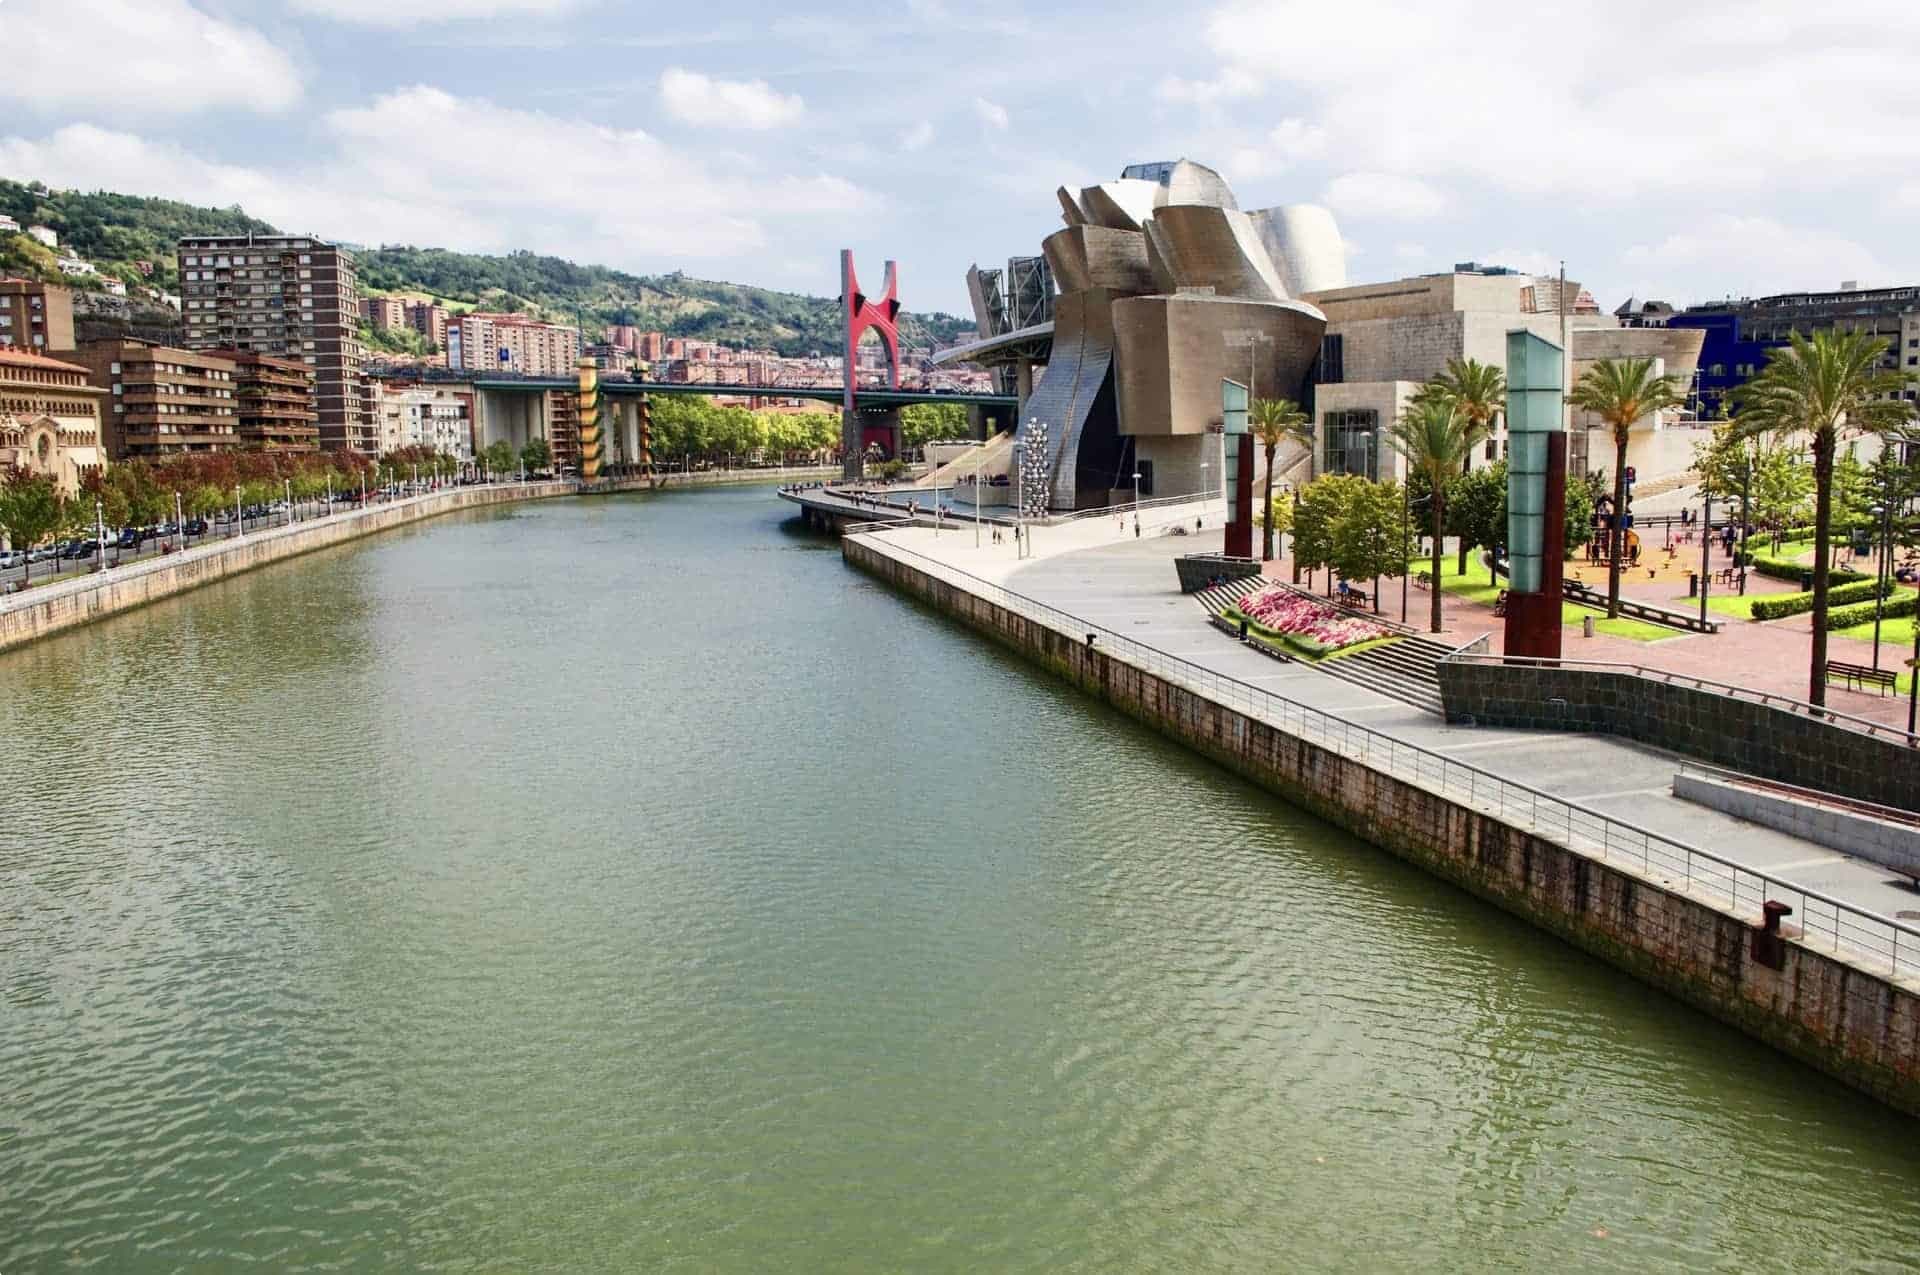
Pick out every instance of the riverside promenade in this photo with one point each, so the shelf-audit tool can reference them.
(1607, 801)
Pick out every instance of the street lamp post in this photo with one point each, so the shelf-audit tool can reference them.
(180, 519)
(239, 525)
(1884, 512)
(287, 486)
(1706, 548)
(99, 537)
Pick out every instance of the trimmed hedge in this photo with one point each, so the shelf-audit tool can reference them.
(1780, 605)
(1784, 569)
(1847, 617)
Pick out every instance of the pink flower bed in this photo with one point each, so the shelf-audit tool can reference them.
(1322, 625)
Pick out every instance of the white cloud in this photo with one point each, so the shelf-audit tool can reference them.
(388, 177)
(1612, 102)
(1757, 255)
(1232, 82)
(1531, 261)
(1406, 251)
(1907, 197)
(919, 137)
(992, 114)
(700, 99)
(406, 13)
(111, 57)
(1386, 196)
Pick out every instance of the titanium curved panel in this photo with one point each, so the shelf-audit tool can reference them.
(1173, 351)
(1191, 183)
(1096, 257)
(1305, 244)
(1122, 205)
(1075, 397)
(1218, 248)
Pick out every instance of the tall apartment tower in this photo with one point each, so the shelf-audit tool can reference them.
(291, 297)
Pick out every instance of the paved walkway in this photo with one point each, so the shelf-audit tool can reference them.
(1127, 586)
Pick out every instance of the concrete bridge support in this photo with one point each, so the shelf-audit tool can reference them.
(514, 416)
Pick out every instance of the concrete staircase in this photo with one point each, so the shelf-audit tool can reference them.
(1406, 670)
(1216, 600)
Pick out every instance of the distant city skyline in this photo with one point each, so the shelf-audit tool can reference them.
(1673, 154)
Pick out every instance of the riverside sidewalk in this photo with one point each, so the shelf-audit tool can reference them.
(1106, 578)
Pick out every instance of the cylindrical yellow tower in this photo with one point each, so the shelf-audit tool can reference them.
(589, 419)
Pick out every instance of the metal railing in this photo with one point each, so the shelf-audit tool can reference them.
(1825, 921)
(1784, 702)
(212, 546)
(1807, 796)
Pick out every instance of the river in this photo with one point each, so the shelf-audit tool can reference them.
(626, 884)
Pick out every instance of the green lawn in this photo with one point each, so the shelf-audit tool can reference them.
(1898, 630)
(1477, 584)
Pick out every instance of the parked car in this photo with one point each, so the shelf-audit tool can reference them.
(128, 539)
(79, 549)
(45, 553)
(196, 526)
(11, 558)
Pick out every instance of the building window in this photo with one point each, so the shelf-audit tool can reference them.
(1353, 443)
(1333, 360)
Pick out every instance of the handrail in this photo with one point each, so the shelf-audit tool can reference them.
(1767, 698)
(1698, 873)
(1812, 796)
(1479, 646)
(210, 547)
(1110, 511)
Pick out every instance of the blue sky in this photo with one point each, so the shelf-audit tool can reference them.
(1678, 151)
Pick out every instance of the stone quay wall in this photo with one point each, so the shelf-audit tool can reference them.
(48, 609)
(1860, 1027)
(1744, 735)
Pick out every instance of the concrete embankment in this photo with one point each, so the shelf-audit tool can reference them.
(715, 477)
(48, 609)
(1857, 1025)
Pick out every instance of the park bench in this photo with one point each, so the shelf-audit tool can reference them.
(1500, 603)
(1352, 597)
(1859, 676)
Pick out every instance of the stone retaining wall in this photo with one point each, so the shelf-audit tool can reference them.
(48, 609)
(1861, 1028)
(1741, 735)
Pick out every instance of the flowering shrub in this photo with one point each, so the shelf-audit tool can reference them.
(1318, 626)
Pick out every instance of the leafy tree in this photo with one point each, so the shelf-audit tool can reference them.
(923, 423)
(1620, 392)
(1823, 388)
(536, 455)
(499, 457)
(1275, 421)
(1436, 440)
(1369, 534)
(1477, 508)
(1317, 508)
(33, 509)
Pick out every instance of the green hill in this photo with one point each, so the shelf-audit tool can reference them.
(113, 231)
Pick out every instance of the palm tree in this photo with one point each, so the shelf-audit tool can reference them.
(1276, 421)
(1478, 390)
(1620, 392)
(1822, 388)
(1436, 438)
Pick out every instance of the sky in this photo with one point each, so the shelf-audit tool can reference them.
(1678, 151)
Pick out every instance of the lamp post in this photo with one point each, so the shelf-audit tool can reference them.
(1706, 548)
(1884, 512)
(1406, 563)
(239, 524)
(99, 537)
(287, 486)
(179, 519)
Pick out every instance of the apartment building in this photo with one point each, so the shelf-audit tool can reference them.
(275, 398)
(429, 320)
(511, 343)
(291, 297)
(439, 417)
(384, 312)
(35, 316)
(163, 400)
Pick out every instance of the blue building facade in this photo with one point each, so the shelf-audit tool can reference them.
(1729, 357)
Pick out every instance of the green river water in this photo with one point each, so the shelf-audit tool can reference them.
(627, 885)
